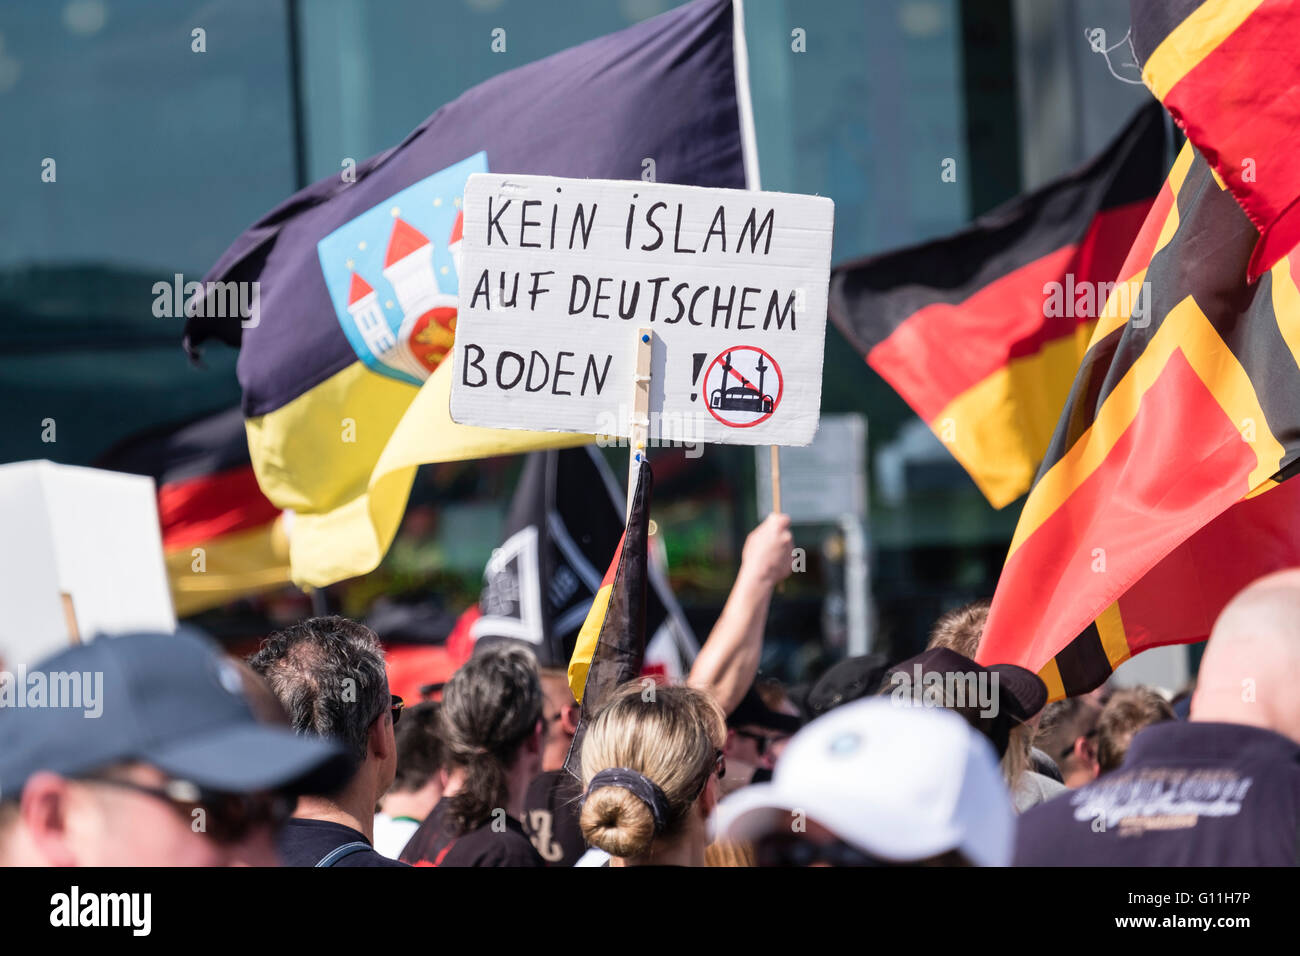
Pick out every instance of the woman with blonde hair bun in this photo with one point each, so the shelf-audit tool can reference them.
(651, 761)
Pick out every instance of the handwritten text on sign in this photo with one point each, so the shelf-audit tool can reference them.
(558, 276)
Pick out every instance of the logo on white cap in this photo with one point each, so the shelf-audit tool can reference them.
(228, 675)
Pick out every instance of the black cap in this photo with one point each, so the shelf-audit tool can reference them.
(174, 701)
(1021, 692)
(752, 712)
(848, 680)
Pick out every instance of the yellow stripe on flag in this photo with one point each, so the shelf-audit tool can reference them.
(343, 456)
(1114, 640)
(229, 567)
(1000, 428)
(1286, 306)
(1185, 330)
(588, 636)
(1051, 676)
(1192, 41)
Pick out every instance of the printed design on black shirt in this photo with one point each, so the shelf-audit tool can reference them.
(1159, 799)
(541, 831)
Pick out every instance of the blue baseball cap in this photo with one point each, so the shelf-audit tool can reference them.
(174, 701)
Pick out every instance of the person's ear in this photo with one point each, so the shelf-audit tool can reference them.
(381, 738)
(1085, 748)
(538, 737)
(44, 808)
(730, 743)
(569, 715)
(709, 797)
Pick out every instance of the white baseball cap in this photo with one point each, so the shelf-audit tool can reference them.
(900, 783)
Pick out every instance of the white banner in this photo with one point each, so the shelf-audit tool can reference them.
(560, 276)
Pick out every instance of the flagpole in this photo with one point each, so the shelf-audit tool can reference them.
(749, 153)
(639, 424)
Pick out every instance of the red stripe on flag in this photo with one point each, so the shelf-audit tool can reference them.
(1136, 507)
(1240, 107)
(942, 350)
(612, 570)
(1105, 249)
(200, 509)
(1253, 538)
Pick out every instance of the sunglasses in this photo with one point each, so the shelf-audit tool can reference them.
(790, 851)
(227, 817)
(396, 707)
(761, 741)
(1070, 749)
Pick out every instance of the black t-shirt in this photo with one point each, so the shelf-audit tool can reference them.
(307, 842)
(1187, 794)
(492, 844)
(552, 808)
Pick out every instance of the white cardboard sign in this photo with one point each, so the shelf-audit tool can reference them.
(559, 277)
(80, 545)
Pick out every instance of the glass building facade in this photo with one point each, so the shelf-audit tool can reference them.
(142, 136)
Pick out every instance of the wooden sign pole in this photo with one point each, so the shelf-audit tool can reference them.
(776, 478)
(639, 425)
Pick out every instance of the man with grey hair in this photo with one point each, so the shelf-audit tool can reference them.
(329, 675)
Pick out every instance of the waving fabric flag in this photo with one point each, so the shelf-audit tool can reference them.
(222, 539)
(565, 520)
(1163, 491)
(1229, 73)
(612, 642)
(981, 332)
(342, 357)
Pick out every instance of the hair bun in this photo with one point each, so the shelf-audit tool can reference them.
(617, 821)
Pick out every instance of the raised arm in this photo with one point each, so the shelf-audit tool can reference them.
(728, 661)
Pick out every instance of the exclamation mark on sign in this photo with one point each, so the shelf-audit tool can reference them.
(698, 358)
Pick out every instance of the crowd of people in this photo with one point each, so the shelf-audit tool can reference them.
(301, 756)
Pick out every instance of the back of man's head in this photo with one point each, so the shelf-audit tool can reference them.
(1251, 665)
(1060, 729)
(329, 675)
(1127, 712)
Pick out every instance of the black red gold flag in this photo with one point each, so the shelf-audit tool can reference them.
(981, 332)
(222, 538)
(565, 520)
(1229, 73)
(612, 641)
(1163, 491)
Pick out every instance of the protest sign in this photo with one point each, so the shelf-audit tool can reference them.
(563, 279)
(82, 557)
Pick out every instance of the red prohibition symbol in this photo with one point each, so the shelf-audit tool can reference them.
(739, 390)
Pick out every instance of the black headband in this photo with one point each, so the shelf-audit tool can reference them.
(640, 786)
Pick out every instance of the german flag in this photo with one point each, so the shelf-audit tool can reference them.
(982, 332)
(1229, 73)
(222, 538)
(611, 643)
(1161, 494)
